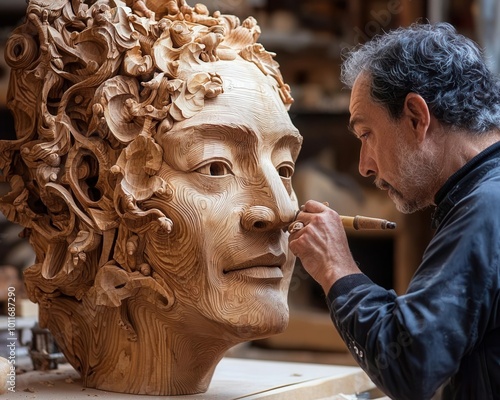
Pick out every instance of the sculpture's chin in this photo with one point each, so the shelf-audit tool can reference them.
(245, 333)
(265, 317)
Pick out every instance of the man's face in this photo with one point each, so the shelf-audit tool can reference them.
(229, 168)
(390, 153)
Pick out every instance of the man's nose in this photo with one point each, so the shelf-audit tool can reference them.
(367, 166)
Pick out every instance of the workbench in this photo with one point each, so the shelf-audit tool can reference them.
(234, 378)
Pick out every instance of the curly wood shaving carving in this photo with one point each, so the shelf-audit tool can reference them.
(151, 172)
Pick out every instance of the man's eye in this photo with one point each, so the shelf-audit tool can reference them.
(215, 168)
(285, 171)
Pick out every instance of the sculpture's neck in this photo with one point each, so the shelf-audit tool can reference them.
(173, 366)
(151, 358)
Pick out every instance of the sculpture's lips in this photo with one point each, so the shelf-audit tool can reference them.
(260, 272)
(264, 267)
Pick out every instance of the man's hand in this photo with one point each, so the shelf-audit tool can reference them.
(322, 244)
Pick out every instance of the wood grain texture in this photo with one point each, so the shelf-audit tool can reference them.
(152, 173)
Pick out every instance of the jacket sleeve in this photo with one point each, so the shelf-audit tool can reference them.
(410, 345)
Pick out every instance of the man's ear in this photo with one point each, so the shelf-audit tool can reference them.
(417, 111)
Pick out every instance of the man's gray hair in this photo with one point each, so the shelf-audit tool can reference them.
(445, 68)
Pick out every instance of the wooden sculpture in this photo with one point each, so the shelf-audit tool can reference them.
(152, 171)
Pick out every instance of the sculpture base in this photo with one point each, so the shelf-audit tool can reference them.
(233, 378)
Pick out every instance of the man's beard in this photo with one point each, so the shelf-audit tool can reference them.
(418, 172)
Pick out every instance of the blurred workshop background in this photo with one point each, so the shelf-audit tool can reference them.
(308, 37)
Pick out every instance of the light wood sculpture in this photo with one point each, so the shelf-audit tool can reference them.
(152, 171)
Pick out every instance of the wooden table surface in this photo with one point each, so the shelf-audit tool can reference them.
(234, 378)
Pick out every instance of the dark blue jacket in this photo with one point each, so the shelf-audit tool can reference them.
(445, 331)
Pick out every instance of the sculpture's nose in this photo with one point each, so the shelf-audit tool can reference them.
(272, 207)
(259, 218)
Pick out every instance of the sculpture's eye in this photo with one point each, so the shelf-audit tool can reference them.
(285, 170)
(215, 168)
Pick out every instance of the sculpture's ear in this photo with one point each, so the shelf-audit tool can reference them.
(113, 285)
(116, 98)
(131, 123)
(139, 164)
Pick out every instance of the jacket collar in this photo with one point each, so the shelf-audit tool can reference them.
(459, 184)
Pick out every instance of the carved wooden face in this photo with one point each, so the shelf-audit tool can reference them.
(229, 168)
